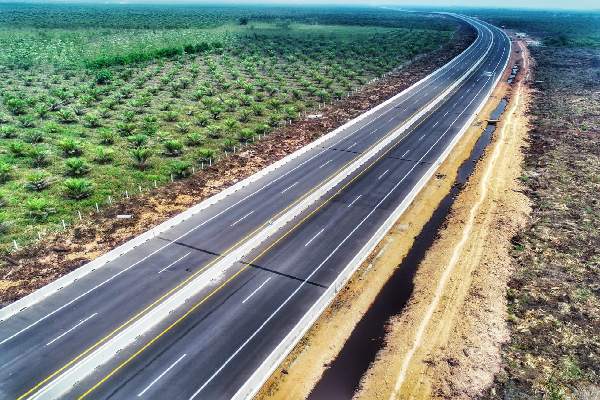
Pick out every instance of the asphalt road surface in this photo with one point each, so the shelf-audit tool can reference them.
(209, 347)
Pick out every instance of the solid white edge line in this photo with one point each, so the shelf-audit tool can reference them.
(256, 290)
(314, 237)
(260, 375)
(83, 321)
(140, 394)
(175, 262)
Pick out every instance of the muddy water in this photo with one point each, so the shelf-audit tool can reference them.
(342, 378)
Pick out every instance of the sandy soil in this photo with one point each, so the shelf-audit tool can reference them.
(42, 262)
(298, 374)
(447, 342)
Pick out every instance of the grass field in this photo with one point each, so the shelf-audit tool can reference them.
(100, 100)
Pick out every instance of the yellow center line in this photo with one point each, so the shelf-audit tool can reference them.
(226, 252)
(248, 264)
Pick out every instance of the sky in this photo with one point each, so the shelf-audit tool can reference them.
(537, 4)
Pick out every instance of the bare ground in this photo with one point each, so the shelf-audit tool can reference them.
(446, 343)
(554, 294)
(31, 268)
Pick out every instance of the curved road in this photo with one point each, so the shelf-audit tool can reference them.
(201, 310)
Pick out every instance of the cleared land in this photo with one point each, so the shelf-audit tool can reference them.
(92, 112)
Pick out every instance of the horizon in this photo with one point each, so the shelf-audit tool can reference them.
(534, 5)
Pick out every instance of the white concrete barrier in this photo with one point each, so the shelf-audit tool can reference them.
(270, 364)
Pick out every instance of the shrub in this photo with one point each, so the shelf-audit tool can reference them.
(76, 167)
(27, 121)
(78, 188)
(8, 131)
(70, 147)
(183, 127)
(138, 140)
(202, 120)
(104, 155)
(35, 136)
(261, 129)
(103, 76)
(181, 169)
(66, 116)
(141, 155)
(228, 144)
(18, 149)
(246, 135)
(39, 208)
(107, 137)
(171, 116)
(37, 181)
(214, 131)
(125, 129)
(5, 225)
(15, 105)
(195, 139)
(205, 155)
(39, 157)
(173, 147)
(6, 171)
(92, 120)
(52, 127)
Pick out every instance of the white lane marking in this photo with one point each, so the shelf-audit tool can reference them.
(446, 113)
(83, 321)
(309, 277)
(405, 153)
(289, 187)
(314, 237)
(140, 394)
(436, 122)
(421, 138)
(351, 146)
(174, 262)
(354, 201)
(244, 217)
(325, 163)
(446, 70)
(382, 175)
(256, 290)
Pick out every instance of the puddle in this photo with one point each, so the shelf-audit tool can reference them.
(342, 378)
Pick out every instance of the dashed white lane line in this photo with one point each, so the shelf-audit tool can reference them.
(314, 237)
(83, 321)
(174, 262)
(245, 216)
(405, 153)
(351, 146)
(382, 175)
(421, 138)
(355, 200)
(436, 123)
(166, 371)
(256, 290)
(289, 187)
(324, 164)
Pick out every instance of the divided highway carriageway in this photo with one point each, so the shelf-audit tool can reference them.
(205, 306)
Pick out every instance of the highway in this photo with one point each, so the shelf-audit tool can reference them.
(196, 311)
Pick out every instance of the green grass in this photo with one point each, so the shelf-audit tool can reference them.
(90, 111)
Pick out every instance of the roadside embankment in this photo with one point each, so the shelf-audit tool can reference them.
(447, 341)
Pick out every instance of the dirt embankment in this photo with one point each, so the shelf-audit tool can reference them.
(297, 375)
(446, 343)
(38, 264)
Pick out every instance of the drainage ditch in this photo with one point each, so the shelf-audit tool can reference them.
(342, 377)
